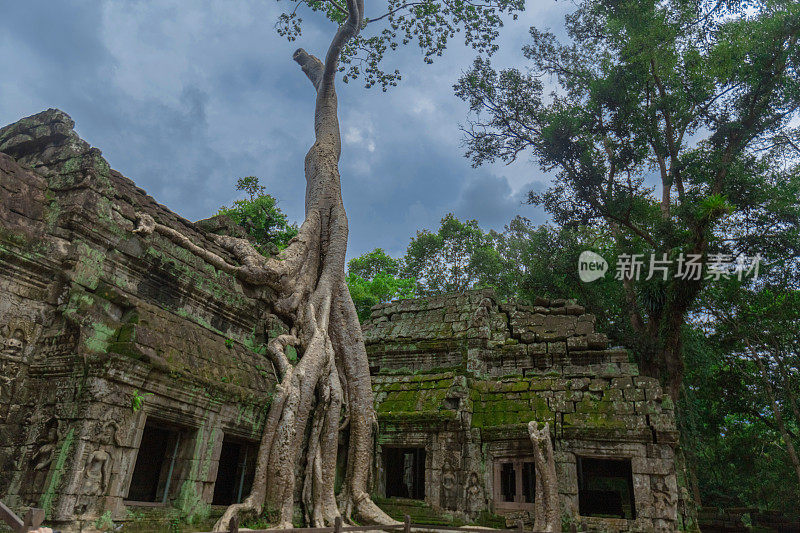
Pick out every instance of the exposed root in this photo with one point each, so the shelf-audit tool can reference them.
(254, 268)
(241, 511)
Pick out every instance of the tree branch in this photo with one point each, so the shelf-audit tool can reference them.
(311, 65)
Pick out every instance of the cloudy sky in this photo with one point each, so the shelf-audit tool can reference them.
(185, 97)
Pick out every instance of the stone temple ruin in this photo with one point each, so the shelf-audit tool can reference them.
(458, 377)
(132, 377)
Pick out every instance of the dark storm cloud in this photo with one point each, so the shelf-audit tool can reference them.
(491, 201)
(185, 97)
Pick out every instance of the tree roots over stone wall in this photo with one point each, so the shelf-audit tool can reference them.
(328, 389)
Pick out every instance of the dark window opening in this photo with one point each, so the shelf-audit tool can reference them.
(405, 472)
(235, 472)
(605, 488)
(528, 482)
(452, 403)
(508, 482)
(515, 484)
(155, 463)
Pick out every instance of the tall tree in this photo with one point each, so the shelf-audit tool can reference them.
(458, 257)
(740, 415)
(372, 278)
(328, 389)
(685, 95)
(260, 217)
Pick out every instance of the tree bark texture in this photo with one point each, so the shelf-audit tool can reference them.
(548, 510)
(327, 392)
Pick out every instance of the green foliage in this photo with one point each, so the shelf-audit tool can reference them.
(730, 433)
(250, 185)
(229, 343)
(430, 24)
(372, 263)
(373, 278)
(260, 216)
(523, 262)
(104, 522)
(137, 400)
(454, 259)
(714, 207)
(699, 97)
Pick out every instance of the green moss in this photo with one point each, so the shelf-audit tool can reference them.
(592, 420)
(499, 404)
(89, 266)
(101, 335)
(198, 320)
(207, 458)
(46, 501)
(190, 506)
(188, 268)
(417, 510)
(17, 239)
(414, 394)
(291, 354)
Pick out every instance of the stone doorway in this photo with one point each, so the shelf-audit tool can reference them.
(405, 472)
(156, 460)
(605, 488)
(235, 471)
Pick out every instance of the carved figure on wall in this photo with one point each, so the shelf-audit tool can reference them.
(57, 343)
(13, 343)
(476, 502)
(449, 494)
(18, 336)
(39, 463)
(97, 471)
(663, 498)
(44, 455)
(7, 374)
(11, 353)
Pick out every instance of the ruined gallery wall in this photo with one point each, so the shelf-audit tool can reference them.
(93, 317)
(461, 375)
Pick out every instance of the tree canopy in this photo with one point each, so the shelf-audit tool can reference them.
(260, 216)
(668, 123)
(373, 278)
(430, 24)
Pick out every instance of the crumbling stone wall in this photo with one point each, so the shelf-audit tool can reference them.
(103, 330)
(462, 375)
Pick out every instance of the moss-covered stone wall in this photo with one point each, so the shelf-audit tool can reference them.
(104, 330)
(461, 375)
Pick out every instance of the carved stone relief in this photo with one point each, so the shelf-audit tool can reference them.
(97, 470)
(449, 494)
(41, 459)
(476, 501)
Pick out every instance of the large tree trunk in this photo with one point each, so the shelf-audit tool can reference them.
(548, 509)
(331, 376)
